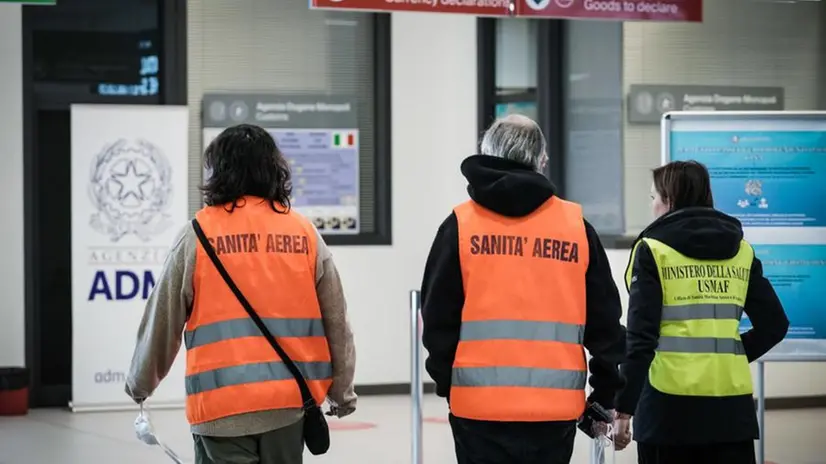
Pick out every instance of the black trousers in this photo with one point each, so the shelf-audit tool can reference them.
(483, 442)
(723, 453)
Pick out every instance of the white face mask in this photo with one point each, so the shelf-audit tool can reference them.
(603, 447)
(146, 434)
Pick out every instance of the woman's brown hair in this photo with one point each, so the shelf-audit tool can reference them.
(683, 184)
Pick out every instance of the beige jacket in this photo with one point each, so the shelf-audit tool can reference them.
(161, 330)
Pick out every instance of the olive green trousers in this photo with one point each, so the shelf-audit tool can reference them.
(281, 446)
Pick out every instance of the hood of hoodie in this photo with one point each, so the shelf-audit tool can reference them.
(699, 233)
(505, 187)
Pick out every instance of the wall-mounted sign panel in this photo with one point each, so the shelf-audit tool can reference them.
(768, 170)
(639, 10)
(318, 135)
(648, 103)
(472, 7)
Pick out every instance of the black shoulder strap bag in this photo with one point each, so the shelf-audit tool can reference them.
(316, 432)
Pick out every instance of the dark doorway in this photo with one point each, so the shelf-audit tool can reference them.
(53, 210)
(79, 51)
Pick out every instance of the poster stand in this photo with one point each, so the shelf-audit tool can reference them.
(129, 187)
(747, 139)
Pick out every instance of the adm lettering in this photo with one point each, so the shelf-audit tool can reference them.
(127, 285)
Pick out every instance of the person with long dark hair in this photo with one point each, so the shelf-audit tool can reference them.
(243, 404)
(690, 278)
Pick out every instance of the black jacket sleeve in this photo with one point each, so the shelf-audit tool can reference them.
(604, 335)
(766, 313)
(644, 316)
(443, 297)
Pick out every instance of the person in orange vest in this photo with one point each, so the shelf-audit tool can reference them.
(516, 286)
(243, 405)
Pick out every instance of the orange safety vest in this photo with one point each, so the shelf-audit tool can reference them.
(520, 356)
(231, 369)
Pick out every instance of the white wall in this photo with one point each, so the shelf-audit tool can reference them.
(12, 291)
(434, 128)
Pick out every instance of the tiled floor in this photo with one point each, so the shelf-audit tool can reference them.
(51, 436)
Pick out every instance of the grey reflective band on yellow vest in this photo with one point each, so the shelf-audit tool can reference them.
(251, 373)
(522, 330)
(508, 376)
(245, 327)
(701, 345)
(701, 311)
(699, 351)
(530, 377)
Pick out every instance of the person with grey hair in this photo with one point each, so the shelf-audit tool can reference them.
(517, 285)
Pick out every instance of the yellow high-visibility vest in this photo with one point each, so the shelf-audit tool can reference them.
(700, 352)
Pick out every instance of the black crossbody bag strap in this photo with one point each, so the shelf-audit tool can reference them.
(306, 396)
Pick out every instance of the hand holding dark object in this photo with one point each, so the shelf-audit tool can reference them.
(594, 421)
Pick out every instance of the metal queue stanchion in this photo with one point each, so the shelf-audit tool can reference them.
(761, 411)
(416, 383)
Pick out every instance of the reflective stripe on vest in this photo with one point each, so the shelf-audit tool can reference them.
(691, 312)
(529, 377)
(250, 373)
(231, 368)
(238, 328)
(520, 355)
(535, 331)
(699, 351)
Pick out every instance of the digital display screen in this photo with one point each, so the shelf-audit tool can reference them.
(147, 83)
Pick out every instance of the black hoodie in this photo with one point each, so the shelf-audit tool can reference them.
(514, 190)
(662, 419)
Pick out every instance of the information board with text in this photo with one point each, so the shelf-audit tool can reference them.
(637, 10)
(768, 169)
(319, 137)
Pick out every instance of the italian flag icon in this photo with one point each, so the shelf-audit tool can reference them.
(344, 139)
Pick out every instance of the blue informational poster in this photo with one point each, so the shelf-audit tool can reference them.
(763, 178)
(798, 275)
(769, 171)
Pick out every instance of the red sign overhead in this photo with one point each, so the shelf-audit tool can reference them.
(473, 7)
(650, 10)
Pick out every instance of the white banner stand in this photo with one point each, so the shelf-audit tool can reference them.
(729, 143)
(129, 201)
